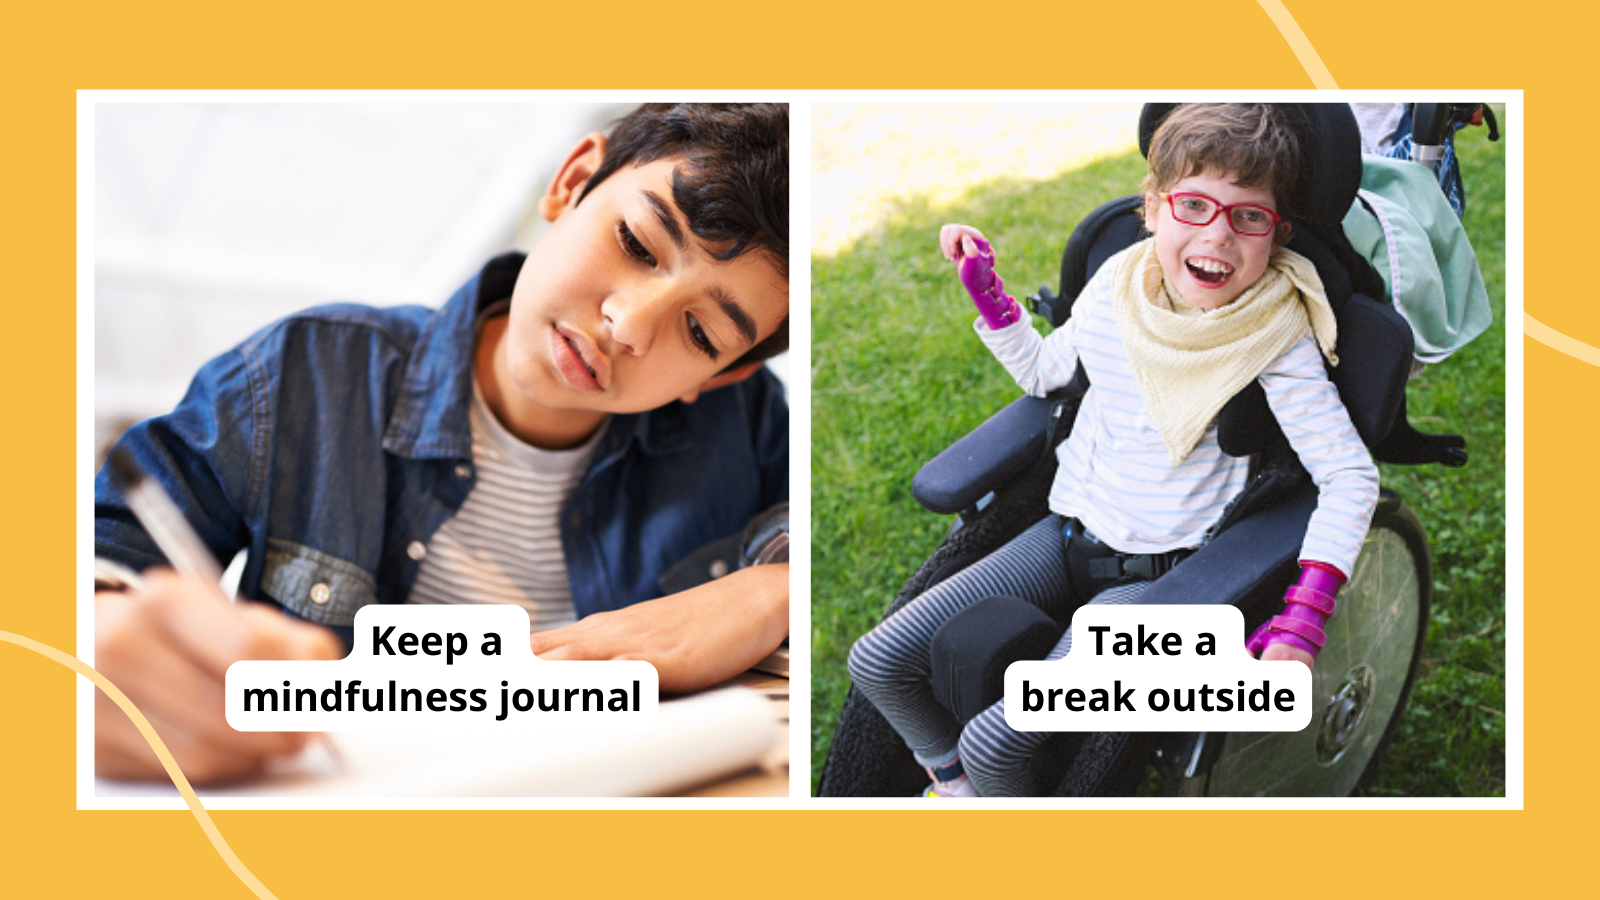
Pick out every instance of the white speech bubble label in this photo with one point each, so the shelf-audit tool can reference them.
(423, 668)
(1158, 668)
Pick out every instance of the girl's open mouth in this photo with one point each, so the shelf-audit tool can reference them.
(1210, 272)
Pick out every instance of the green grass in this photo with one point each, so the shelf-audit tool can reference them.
(1452, 739)
(898, 375)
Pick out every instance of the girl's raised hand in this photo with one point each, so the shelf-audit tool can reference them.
(958, 241)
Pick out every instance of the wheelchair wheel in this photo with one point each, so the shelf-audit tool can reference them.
(1361, 678)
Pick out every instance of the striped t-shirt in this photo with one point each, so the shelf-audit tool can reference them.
(504, 544)
(1114, 472)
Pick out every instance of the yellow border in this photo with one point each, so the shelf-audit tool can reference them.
(49, 849)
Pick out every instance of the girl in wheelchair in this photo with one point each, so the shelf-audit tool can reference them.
(1167, 331)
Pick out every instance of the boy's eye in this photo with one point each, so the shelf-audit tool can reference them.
(698, 336)
(1251, 215)
(1194, 204)
(631, 244)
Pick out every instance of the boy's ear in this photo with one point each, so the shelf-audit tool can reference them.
(1282, 237)
(569, 180)
(732, 376)
(1152, 210)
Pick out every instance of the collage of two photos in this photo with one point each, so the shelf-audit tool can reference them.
(364, 364)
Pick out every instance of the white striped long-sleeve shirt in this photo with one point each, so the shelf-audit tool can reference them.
(1114, 474)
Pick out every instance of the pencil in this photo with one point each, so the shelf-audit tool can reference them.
(175, 537)
(173, 534)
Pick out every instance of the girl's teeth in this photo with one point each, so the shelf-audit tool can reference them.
(1210, 271)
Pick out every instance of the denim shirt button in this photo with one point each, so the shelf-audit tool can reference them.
(321, 594)
(416, 550)
(463, 471)
(719, 568)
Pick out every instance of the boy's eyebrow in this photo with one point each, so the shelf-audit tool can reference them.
(669, 221)
(741, 319)
(665, 214)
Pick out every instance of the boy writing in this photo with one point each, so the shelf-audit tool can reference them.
(583, 432)
(1168, 331)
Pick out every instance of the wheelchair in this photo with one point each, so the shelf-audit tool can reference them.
(996, 481)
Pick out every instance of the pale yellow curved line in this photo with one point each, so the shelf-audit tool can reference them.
(1323, 79)
(143, 724)
(1555, 340)
(1307, 54)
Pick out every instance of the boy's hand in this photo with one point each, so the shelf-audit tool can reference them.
(1279, 651)
(958, 241)
(168, 647)
(695, 639)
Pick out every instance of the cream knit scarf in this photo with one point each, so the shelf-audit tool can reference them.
(1188, 366)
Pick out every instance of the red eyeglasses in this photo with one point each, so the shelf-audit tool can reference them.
(1247, 219)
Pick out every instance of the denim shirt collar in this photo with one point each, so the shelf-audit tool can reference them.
(430, 419)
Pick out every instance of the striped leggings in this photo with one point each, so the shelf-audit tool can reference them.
(891, 666)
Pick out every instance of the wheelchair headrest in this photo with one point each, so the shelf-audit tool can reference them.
(1374, 342)
(1330, 172)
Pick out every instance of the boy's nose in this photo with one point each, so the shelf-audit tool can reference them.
(636, 315)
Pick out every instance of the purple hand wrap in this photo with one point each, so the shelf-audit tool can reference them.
(1307, 606)
(987, 289)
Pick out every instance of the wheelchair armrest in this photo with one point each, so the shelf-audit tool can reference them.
(988, 457)
(1253, 560)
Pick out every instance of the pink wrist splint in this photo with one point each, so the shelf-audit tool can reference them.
(997, 307)
(1307, 606)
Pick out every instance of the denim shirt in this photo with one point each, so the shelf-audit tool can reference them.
(332, 444)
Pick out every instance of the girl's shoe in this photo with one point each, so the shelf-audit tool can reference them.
(958, 786)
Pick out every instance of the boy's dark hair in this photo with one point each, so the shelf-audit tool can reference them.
(1258, 144)
(733, 187)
